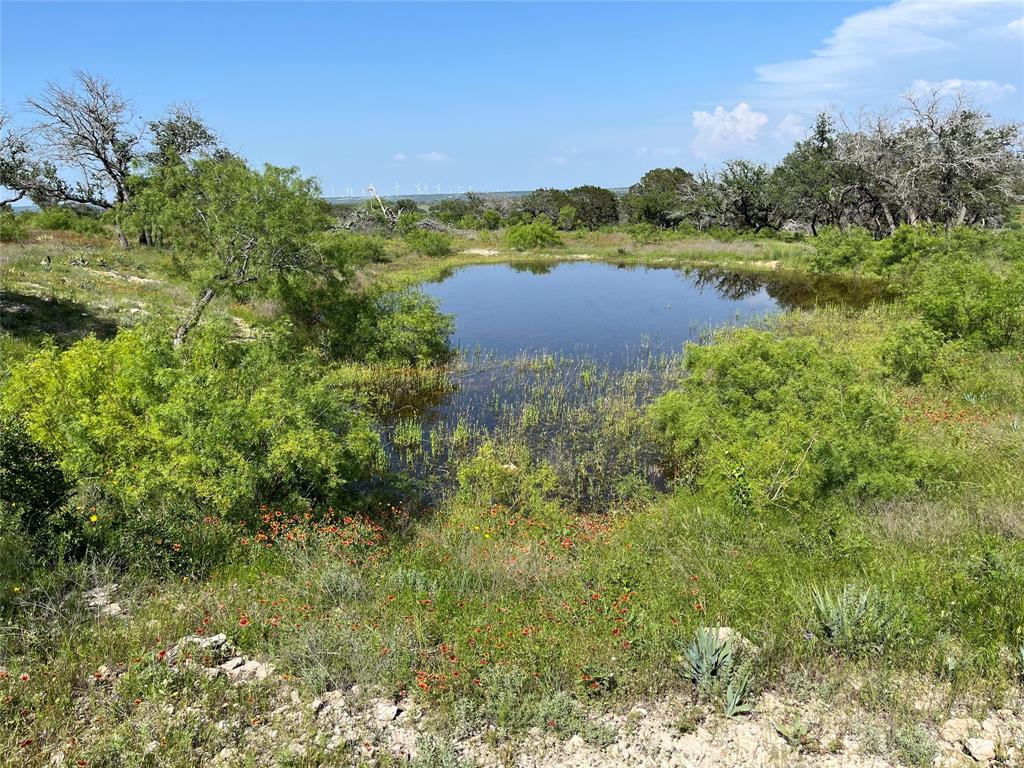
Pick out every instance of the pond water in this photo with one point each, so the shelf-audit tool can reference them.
(554, 353)
(612, 313)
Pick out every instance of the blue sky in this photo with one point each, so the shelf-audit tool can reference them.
(515, 95)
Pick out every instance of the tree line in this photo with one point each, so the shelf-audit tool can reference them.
(936, 161)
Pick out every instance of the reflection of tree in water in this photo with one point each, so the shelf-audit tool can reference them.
(728, 285)
(789, 290)
(533, 267)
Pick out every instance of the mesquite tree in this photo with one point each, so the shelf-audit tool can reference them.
(234, 229)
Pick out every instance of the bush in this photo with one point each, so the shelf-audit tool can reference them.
(403, 327)
(179, 446)
(351, 249)
(12, 227)
(32, 485)
(539, 233)
(436, 245)
(780, 422)
(65, 219)
(909, 352)
(963, 299)
(835, 249)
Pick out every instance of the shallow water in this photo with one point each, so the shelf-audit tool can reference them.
(611, 313)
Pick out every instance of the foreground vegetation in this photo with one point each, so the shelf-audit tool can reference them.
(233, 423)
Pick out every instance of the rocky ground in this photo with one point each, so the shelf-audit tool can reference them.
(362, 728)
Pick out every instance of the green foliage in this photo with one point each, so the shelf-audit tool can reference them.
(401, 327)
(346, 250)
(539, 233)
(594, 206)
(856, 621)
(179, 445)
(436, 245)
(65, 219)
(909, 352)
(710, 661)
(787, 420)
(654, 199)
(963, 299)
(506, 475)
(836, 249)
(12, 226)
(567, 217)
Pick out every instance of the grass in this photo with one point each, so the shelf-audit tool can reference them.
(544, 566)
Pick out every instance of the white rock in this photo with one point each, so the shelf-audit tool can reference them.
(982, 750)
(958, 728)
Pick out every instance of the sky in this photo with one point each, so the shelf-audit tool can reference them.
(417, 97)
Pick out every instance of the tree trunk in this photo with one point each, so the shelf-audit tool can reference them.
(121, 239)
(194, 313)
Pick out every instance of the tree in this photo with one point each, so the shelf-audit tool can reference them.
(20, 172)
(655, 198)
(179, 136)
(88, 128)
(595, 206)
(233, 228)
(740, 195)
(807, 181)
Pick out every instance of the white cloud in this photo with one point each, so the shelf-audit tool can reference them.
(982, 90)
(1016, 27)
(870, 41)
(399, 157)
(725, 131)
(791, 128)
(434, 157)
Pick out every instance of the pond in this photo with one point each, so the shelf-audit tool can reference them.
(612, 313)
(564, 359)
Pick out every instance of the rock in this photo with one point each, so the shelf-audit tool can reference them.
(385, 711)
(248, 671)
(958, 729)
(113, 610)
(728, 634)
(232, 664)
(982, 750)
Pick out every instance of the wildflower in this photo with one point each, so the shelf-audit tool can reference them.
(244, 621)
(93, 518)
(23, 677)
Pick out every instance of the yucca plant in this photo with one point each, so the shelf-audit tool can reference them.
(856, 621)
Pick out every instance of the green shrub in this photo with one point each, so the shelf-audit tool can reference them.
(836, 249)
(909, 352)
(539, 233)
(179, 446)
(436, 245)
(789, 420)
(32, 485)
(12, 226)
(351, 249)
(402, 327)
(964, 299)
(505, 475)
(65, 219)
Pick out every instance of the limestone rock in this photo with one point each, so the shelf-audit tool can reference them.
(982, 750)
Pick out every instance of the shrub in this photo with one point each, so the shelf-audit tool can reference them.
(784, 418)
(179, 446)
(963, 299)
(909, 352)
(505, 476)
(12, 226)
(436, 245)
(835, 249)
(856, 622)
(65, 219)
(351, 249)
(539, 233)
(32, 485)
(402, 327)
